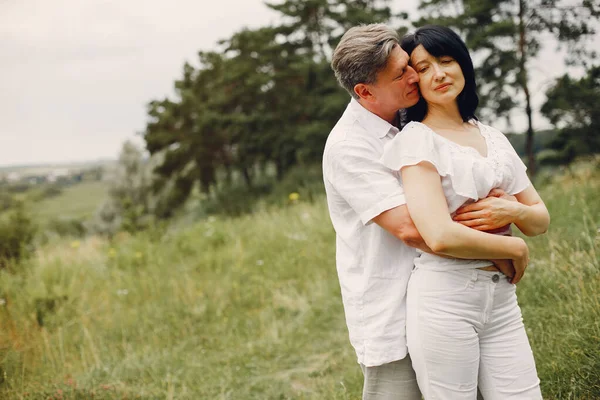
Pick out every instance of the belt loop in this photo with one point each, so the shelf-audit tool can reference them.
(473, 279)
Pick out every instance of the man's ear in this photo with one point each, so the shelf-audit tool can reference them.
(364, 92)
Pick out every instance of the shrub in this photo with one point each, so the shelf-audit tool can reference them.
(233, 200)
(6, 201)
(306, 180)
(49, 191)
(67, 227)
(17, 231)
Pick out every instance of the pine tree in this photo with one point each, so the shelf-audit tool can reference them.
(573, 107)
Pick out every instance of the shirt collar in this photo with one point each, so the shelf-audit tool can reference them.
(371, 122)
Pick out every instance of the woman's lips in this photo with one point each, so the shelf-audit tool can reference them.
(443, 86)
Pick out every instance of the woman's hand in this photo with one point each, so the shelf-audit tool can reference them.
(521, 260)
(495, 212)
(506, 267)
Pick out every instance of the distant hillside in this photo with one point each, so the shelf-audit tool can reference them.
(42, 168)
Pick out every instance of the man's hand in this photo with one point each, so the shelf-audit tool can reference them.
(520, 262)
(494, 213)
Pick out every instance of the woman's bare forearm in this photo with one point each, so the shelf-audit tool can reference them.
(429, 211)
(533, 219)
(455, 240)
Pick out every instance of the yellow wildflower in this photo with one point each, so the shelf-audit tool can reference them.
(294, 196)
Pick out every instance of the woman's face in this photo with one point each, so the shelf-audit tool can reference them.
(440, 78)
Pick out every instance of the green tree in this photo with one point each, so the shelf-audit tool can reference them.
(266, 97)
(310, 31)
(256, 64)
(507, 35)
(280, 101)
(573, 106)
(317, 25)
(187, 133)
(130, 203)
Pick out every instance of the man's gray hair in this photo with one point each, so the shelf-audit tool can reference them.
(362, 52)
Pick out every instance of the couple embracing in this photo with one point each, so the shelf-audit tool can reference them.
(422, 195)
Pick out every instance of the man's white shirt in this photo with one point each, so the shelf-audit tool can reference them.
(373, 266)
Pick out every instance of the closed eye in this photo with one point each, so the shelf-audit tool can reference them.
(401, 74)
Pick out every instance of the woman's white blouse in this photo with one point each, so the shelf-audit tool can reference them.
(466, 175)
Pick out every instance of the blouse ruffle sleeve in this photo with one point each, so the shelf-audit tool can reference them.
(516, 168)
(416, 143)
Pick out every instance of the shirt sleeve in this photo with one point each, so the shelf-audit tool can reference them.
(519, 180)
(412, 146)
(360, 178)
(416, 144)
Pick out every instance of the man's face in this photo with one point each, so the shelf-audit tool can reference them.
(396, 86)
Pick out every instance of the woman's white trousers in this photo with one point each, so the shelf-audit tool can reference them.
(464, 329)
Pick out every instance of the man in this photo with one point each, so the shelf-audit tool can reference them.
(373, 266)
(367, 208)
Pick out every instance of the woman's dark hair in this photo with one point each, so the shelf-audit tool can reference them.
(440, 41)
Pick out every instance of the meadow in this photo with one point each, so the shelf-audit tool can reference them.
(250, 308)
(78, 201)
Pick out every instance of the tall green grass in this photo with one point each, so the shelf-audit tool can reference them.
(250, 308)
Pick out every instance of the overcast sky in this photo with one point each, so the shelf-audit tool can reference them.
(76, 75)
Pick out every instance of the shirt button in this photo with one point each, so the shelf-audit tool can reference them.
(495, 278)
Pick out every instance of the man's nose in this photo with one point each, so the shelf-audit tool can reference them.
(413, 77)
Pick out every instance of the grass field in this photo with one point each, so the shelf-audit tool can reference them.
(250, 308)
(79, 201)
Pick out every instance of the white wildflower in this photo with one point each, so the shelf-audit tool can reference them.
(296, 236)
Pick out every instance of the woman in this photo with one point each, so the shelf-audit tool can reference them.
(464, 326)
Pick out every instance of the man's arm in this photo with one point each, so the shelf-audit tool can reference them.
(429, 210)
(371, 190)
(398, 222)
